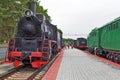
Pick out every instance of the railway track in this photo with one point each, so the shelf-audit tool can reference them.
(27, 72)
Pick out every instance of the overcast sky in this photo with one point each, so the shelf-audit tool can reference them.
(76, 18)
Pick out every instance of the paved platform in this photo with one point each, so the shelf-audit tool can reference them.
(77, 65)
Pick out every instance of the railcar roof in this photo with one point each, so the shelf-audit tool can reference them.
(95, 29)
(110, 22)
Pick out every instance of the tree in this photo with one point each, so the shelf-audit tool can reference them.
(10, 12)
(67, 41)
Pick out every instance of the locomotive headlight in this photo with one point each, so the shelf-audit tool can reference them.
(28, 13)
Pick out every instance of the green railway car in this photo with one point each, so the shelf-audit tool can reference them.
(93, 40)
(105, 40)
(110, 35)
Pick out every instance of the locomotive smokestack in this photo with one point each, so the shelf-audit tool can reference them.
(32, 7)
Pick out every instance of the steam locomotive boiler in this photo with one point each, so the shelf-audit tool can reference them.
(36, 40)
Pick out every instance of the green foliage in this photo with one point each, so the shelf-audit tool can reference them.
(61, 33)
(40, 9)
(10, 12)
(59, 30)
(67, 41)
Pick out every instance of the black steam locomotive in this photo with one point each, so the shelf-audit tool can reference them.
(80, 43)
(36, 42)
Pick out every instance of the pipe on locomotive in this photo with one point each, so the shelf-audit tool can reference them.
(31, 9)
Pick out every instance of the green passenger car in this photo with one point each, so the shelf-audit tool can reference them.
(110, 35)
(106, 40)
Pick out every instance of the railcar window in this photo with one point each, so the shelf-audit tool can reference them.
(117, 25)
(113, 26)
(110, 27)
